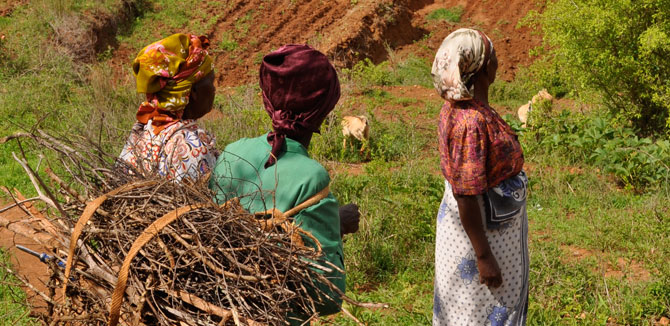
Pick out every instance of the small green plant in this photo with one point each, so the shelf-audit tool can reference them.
(242, 23)
(228, 43)
(452, 15)
(258, 58)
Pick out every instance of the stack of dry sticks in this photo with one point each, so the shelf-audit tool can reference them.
(148, 251)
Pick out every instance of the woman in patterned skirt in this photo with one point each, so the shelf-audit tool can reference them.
(176, 74)
(481, 255)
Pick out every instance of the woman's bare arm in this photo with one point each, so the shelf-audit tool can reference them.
(471, 219)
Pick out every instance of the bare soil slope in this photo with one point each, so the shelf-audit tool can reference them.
(498, 19)
(348, 31)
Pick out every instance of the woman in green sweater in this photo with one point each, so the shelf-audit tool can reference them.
(300, 87)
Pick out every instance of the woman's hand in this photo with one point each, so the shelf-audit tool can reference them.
(489, 272)
(472, 221)
(349, 219)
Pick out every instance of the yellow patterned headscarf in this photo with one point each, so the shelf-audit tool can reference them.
(166, 71)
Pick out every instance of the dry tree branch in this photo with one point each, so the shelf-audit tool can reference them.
(15, 136)
(17, 203)
(346, 313)
(33, 180)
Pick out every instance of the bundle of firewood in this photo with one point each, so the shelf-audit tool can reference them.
(145, 250)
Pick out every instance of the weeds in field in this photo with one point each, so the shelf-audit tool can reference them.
(13, 305)
(228, 43)
(603, 142)
(452, 15)
(412, 71)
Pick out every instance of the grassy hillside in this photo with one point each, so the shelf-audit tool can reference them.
(598, 208)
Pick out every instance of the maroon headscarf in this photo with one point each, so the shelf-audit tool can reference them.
(300, 87)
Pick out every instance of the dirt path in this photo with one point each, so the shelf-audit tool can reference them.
(26, 265)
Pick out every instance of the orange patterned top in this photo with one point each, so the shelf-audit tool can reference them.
(478, 149)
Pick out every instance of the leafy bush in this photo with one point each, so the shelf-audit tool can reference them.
(367, 74)
(542, 74)
(602, 141)
(414, 71)
(616, 50)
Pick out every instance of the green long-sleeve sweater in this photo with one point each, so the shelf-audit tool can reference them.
(240, 172)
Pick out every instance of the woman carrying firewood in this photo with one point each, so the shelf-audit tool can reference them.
(481, 252)
(176, 74)
(274, 171)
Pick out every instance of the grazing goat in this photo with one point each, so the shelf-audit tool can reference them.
(525, 109)
(356, 127)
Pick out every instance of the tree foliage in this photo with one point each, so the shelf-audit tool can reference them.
(617, 50)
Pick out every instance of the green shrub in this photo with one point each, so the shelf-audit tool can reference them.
(541, 74)
(366, 74)
(617, 51)
(604, 142)
(452, 15)
(412, 71)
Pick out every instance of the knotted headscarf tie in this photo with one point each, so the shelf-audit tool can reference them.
(462, 54)
(166, 71)
(300, 87)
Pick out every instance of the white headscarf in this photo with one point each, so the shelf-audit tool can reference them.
(462, 54)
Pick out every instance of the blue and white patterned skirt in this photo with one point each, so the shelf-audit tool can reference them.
(459, 297)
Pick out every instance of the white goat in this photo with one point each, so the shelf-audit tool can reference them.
(356, 127)
(525, 109)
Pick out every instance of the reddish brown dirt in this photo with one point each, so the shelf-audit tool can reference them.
(498, 19)
(26, 265)
(352, 169)
(630, 269)
(346, 32)
(257, 26)
(8, 6)
(343, 31)
(105, 24)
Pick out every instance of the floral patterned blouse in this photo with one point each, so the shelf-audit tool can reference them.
(180, 150)
(478, 149)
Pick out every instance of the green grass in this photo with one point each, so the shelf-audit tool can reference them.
(573, 205)
(452, 15)
(13, 310)
(162, 18)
